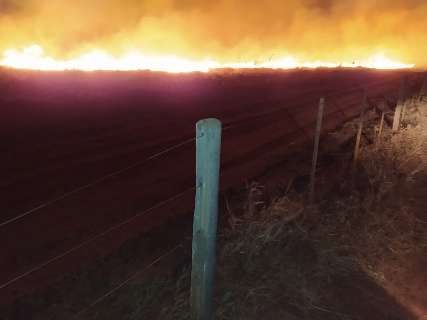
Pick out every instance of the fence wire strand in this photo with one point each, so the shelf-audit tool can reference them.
(125, 282)
(228, 126)
(94, 183)
(90, 240)
(134, 165)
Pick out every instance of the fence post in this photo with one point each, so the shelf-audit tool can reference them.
(316, 150)
(399, 106)
(380, 130)
(402, 117)
(423, 90)
(208, 148)
(359, 130)
(396, 119)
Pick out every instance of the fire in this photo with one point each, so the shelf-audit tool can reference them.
(379, 61)
(34, 58)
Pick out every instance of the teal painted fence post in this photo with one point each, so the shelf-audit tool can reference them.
(208, 148)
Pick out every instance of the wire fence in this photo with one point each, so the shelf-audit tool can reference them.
(92, 239)
(227, 126)
(95, 182)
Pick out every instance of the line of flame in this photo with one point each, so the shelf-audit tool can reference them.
(34, 58)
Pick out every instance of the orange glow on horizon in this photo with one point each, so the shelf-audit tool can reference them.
(35, 58)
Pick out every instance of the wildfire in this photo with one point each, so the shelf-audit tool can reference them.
(34, 58)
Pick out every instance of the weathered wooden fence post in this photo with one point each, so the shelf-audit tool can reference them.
(402, 117)
(399, 106)
(316, 150)
(208, 147)
(380, 130)
(359, 130)
(423, 90)
(396, 119)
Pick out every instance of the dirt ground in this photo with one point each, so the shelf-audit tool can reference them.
(359, 253)
(64, 130)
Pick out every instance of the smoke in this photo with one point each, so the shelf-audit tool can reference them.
(225, 30)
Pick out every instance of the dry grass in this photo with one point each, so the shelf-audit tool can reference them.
(392, 229)
(279, 260)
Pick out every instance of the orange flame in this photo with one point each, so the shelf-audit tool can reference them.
(34, 58)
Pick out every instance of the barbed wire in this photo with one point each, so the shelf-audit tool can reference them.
(341, 93)
(134, 275)
(91, 239)
(226, 127)
(115, 173)
(94, 183)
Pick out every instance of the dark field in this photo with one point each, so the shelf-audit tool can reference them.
(60, 131)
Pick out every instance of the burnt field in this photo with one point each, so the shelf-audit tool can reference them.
(66, 131)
